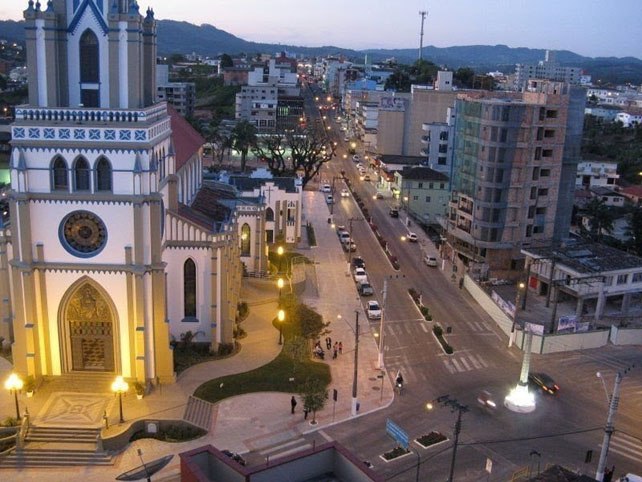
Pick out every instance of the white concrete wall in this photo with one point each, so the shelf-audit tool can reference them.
(626, 336)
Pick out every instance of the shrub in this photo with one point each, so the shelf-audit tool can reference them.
(428, 317)
(10, 422)
(312, 238)
(394, 453)
(414, 294)
(431, 439)
(225, 349)
(448, 349)
(424, 311)
(438, 331)
(243, 309)
(396, 265)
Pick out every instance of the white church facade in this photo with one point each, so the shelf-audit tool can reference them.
(109, 254)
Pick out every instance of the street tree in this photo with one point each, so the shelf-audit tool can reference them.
(300, 151)
(314, 396)
(220, 142)
(226, 61)
(634, 230)
(310, 323)
(243, 139)
(600, 218)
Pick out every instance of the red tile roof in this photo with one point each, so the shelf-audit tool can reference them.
(187, 141)
(632, 191)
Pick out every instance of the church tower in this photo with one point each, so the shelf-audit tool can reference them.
(90, 163)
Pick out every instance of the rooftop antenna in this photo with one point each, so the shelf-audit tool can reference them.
(423, 14)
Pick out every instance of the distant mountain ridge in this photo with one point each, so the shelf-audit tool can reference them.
(207, 40)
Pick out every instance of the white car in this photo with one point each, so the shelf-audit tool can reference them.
(374, 310)
(326, 188)
(356, 158)
(360, 275)
(430, 261)
(345, 193)
(412, 237)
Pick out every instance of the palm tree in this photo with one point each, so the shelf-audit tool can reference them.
(243, 139)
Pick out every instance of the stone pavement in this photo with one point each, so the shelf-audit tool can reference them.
(247, 422)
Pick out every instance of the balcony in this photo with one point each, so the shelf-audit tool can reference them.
(425, 139)
(82, 115)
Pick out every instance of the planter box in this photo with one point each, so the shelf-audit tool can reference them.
(400, 451)
(432, 439)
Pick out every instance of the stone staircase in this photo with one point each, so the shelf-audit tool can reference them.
(58, 447)
(198, 412)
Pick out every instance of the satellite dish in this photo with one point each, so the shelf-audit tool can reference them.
(145, 471)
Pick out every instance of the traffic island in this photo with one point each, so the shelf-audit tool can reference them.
(431, 439)
(438, 333)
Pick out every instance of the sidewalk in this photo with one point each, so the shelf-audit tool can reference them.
(252, 421)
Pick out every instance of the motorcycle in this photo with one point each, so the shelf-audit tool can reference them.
(319, 353)
(485, 399)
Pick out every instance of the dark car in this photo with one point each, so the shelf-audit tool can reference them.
(358, 262)
(544, 382)
(394, 213)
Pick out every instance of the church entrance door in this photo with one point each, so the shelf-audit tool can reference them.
(90, 329)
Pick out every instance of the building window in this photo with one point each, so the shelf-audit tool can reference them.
(103, 175)
(637, 277)
(269, 214)
(81, 175)
(545, 172)
(189, 289)
(427, 199)
(621, 279)
(60, 181)
(245, 240)
(89, 57)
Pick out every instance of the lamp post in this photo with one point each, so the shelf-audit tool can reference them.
(356, 365)
(383, 310)
(280, 283)
(281, 318)
(14, 384)
(279, 252)
(120, 386)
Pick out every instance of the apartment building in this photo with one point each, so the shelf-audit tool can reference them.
(514, 168)
(181, 95)
(547, 69)
(596, 173)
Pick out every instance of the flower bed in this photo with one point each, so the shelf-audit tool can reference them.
(433, 438)
(416, 297)
(438, 331)
(394, 454)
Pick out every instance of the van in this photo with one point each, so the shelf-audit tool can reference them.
(365, 289)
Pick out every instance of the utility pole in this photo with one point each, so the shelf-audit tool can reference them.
(383, 312)
(608, 429)
(454, 405)
(423, 14)
(356, 364)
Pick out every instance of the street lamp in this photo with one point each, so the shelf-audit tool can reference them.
(279, 252)
(120, 386)
(14, 384)
(281, 318)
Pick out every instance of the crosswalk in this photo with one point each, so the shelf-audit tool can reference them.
(625, 446)
(287, 448)
(464, 363)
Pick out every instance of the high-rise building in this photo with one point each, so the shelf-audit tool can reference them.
(547, 69)
(514, 167)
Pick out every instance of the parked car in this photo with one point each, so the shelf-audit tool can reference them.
(356, 158)
(374, 310)
(544, 382)
(329, 199)
(366, 178)
(412, 237)
(349, 246)
(379, 195)
(430, 261)
(345, 193)
(365, 288)
(360, 275)
(358, 262)
(326, 188)
(394, 213)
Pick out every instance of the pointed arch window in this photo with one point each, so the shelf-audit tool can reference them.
(81, 175)
(269, 214)
(103, 175)
(89, 69)
(59, 178)
(245, 240)
(189, 289)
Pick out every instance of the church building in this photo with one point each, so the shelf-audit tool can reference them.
(113, 248)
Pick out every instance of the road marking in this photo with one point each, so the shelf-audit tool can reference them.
(626, 446)
(456, 365)
(424, 327)
(475, 363)
(449, 366)
(463, 362)
(282, 446)
(481, 360)
(325, 435)
(292, 451)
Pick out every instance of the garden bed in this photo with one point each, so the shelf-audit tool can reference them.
(431, 439)
(438, 332)
(394, 454)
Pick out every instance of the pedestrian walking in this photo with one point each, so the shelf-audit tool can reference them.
(328, 343)
(306, 410)
(293, 403)
(340, 348)
(334, 355)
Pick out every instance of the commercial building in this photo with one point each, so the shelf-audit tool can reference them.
(547, 69)
(514, 168)
(181, 95)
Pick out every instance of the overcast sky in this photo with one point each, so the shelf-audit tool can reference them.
(587, 27)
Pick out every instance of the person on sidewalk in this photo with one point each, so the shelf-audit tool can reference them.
(340, 348)
(328, 342)
(334, 355)
(306, 410)
(293, 403)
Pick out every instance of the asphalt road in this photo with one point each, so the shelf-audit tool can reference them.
(561, 429)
